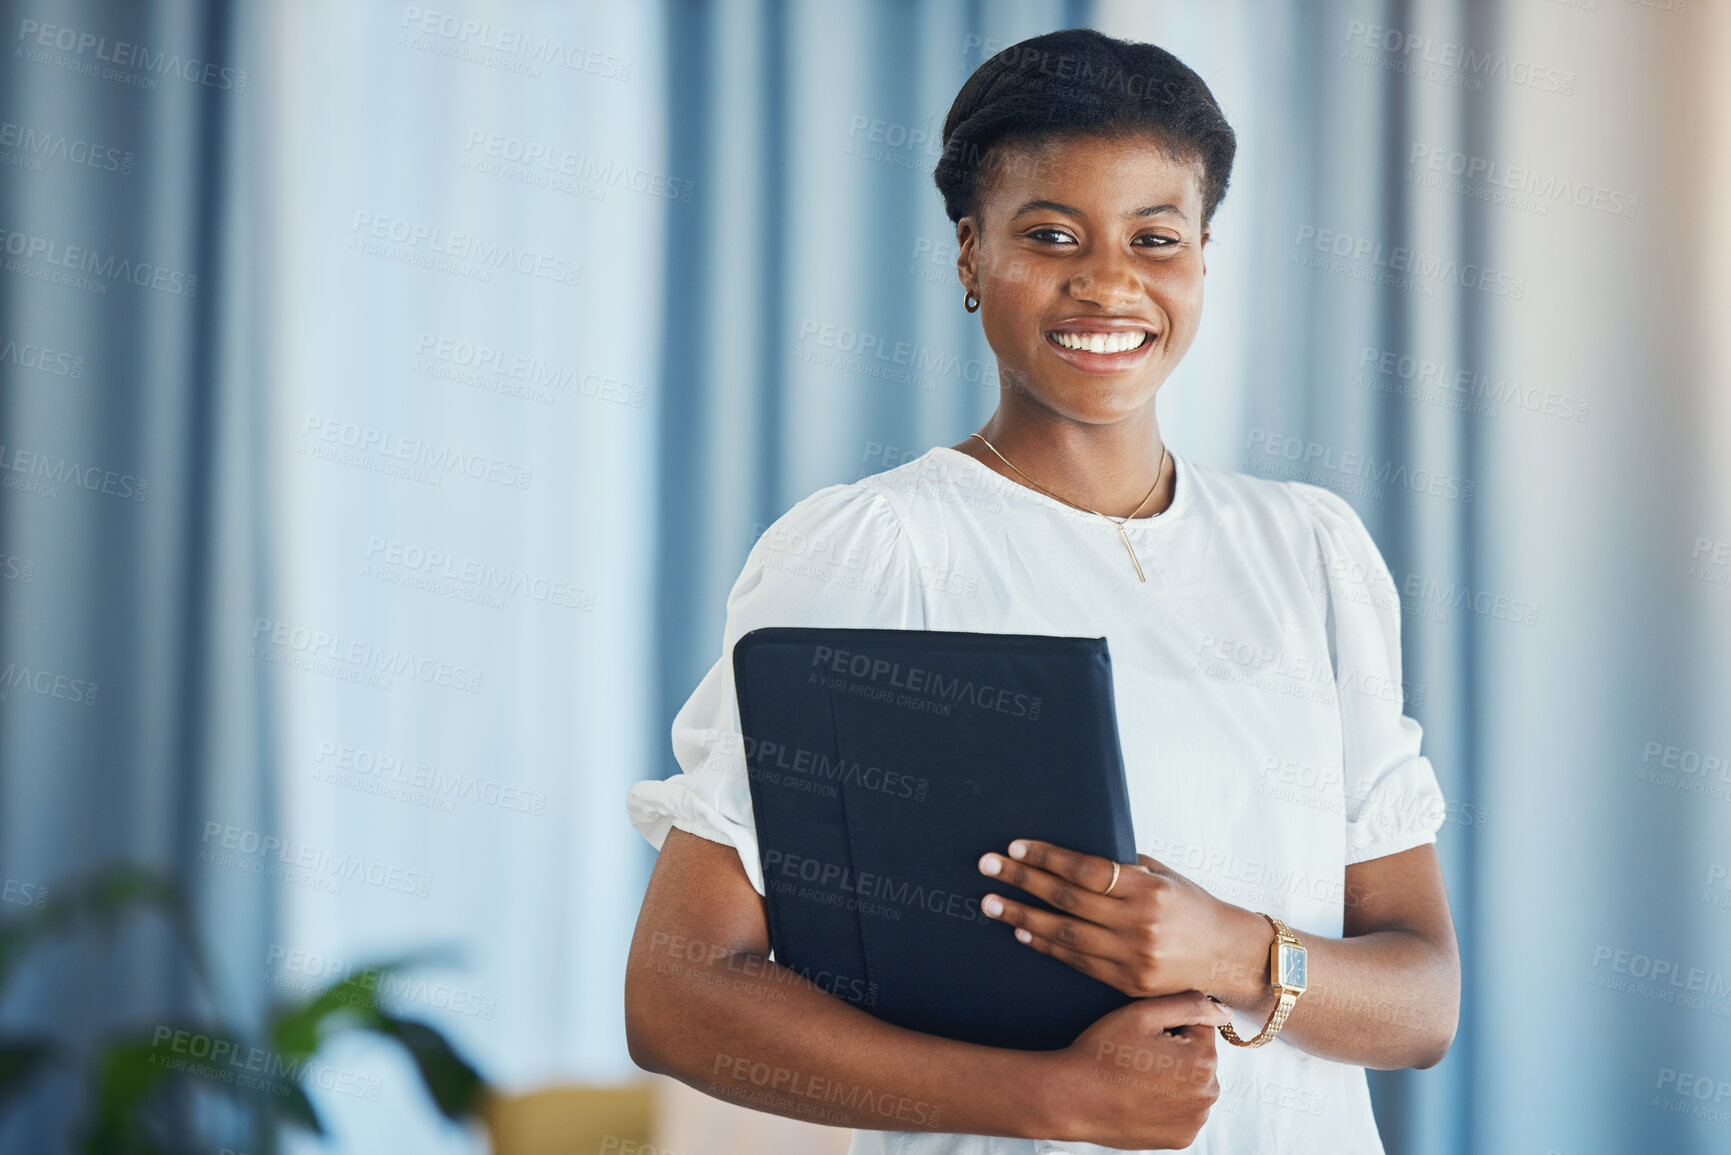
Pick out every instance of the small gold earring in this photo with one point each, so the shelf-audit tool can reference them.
(970, 302)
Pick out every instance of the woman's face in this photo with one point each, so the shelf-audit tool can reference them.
(1086, 255)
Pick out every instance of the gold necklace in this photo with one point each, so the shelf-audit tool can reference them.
(1117, 522)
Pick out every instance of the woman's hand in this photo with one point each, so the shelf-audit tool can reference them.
(1156, 932)
(1140, 1077)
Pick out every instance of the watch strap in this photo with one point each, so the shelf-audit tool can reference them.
(1282, 1007)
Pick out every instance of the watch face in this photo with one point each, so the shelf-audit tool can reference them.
(1291, 966)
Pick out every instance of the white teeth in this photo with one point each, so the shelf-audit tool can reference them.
(1102, 342)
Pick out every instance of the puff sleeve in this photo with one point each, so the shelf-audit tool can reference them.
(1393, 799)
(840, 557)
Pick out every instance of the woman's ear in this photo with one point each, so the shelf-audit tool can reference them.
(1207, 235)
(968, 254)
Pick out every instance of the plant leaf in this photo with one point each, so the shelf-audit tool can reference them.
(131, 1072)
(299, 1110)
(22, 1060)
(298, 1030)
(102, 898)
(455, 1085)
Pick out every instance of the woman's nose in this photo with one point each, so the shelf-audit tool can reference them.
(1108, 283)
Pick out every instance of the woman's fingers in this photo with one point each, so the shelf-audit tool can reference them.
(1067, 890)
(1107, 970)
(1155, 866)
(1098, 934)
(1061, 931)
(1088, 871)
(1096, 951)
(1185, 1009)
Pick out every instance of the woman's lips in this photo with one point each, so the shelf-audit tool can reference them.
(1089, 361)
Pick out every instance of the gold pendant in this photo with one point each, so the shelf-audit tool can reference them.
(1128, 548)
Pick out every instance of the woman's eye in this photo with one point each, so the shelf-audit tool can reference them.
(1156, 241)
(1052, 236)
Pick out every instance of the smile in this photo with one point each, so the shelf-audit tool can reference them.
(1119, 342)
(1102, 350)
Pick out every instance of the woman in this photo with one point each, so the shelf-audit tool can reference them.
(1286, 815)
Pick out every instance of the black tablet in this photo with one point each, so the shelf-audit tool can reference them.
(882, 764)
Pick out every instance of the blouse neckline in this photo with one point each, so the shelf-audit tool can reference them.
(1181, 485)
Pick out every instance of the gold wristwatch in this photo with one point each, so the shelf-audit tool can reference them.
(1285, 971)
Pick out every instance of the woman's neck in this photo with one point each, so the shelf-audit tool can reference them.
(1105, 468)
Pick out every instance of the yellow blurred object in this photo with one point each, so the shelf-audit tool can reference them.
(657, 1116)
(576, 1120)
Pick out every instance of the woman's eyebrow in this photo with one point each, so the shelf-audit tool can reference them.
(1049, 207)
(1067, 210)
(1156, 210)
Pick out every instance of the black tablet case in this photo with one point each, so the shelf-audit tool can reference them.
(882, 764)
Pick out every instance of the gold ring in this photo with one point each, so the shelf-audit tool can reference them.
(1114, 882)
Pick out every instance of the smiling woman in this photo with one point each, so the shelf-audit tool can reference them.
(1287, 891)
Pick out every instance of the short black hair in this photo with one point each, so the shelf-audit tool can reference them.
(1079, 82)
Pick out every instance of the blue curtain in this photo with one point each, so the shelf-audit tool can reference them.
(376, 468)
(130, 513)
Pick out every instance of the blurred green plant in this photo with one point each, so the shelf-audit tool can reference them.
(135, 1074)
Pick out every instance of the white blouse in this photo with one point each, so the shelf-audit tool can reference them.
(1257, 680)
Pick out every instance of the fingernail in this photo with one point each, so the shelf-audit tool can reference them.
(989, 864)
(1018, 849)
(1023, 936)
(992, 905)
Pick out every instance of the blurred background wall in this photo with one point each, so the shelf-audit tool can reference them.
(389, 395)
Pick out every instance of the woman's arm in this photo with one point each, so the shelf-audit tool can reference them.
(705, 1005)
(1386, 995)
